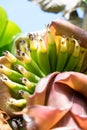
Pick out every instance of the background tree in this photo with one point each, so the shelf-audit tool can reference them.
(68, 9)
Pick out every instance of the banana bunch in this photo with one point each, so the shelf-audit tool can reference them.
(36, 55)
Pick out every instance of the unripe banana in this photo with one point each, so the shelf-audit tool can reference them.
(83, 52)
(31, 65)
(70, 45)
(23, 46)
(14, 87)
(24, 94)
(43, 59)
(33, 49)
(12, 74)
(74, 59)
(30, 85)
(27, 74)
(17, 102)
(51, 50)
(12, 59)
(58, 42)
(62, 56)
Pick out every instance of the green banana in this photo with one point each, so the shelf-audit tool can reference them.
(51, 50)
(31, 65)
(74, 59)
(62, 56)
(43, 59)
(13, 60)
(3, 21)
(14, 87)
(83, 52)
(70, 45)
(12, 74)
(33, 49)
(17, 102)
(27, 74)
(21, 42)
(31, 86)
(24, 94)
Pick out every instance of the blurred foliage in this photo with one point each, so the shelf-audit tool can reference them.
(8, 29)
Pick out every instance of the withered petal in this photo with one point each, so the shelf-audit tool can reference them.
(60, 96)
(75, 80)
(39, 95)
(81, 120)
(65, 128)
(43, 117)
(79, 111)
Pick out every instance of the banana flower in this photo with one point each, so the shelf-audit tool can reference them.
(58, 103)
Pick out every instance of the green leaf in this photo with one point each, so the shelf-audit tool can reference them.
(85, 1)
(6, 47)
(11, 30)
(3, 20)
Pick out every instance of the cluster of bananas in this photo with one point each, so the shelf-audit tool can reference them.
(35, 56)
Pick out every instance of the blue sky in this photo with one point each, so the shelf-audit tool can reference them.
(27, 15)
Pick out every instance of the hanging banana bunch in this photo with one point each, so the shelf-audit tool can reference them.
(34, 56)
